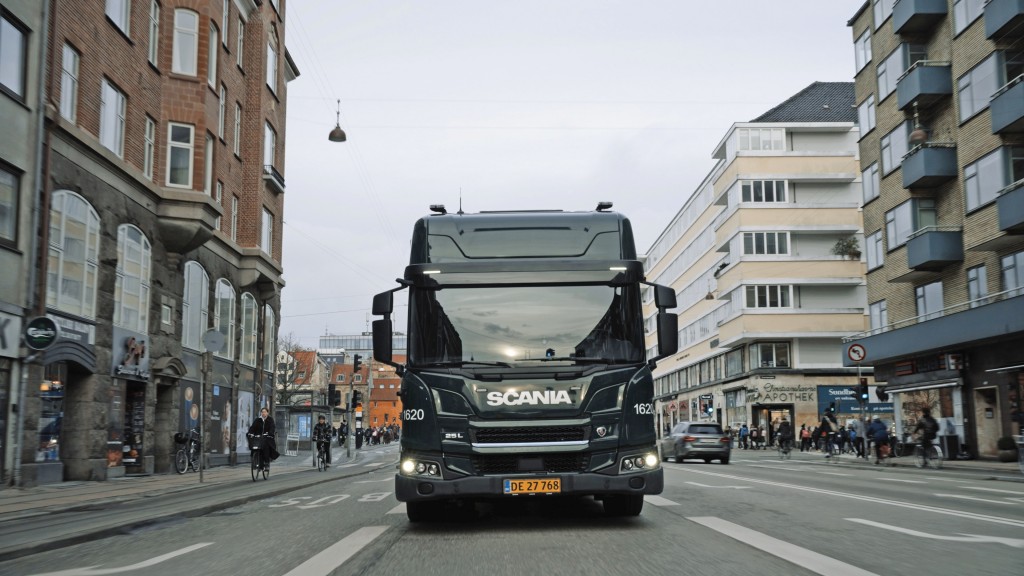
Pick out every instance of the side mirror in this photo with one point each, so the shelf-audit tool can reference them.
(668, 333)
(664, 297)
(384, 303)
(382, 338)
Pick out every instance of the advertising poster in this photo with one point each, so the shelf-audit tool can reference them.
(189, 406)
(220, 420)
(115, 426)
(245, 415)
(134, 425)
(304, 426)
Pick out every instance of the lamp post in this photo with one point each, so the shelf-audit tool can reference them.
(337, 134)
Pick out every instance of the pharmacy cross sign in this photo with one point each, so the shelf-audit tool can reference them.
(856, 352)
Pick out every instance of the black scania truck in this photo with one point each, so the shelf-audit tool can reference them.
(526, 373)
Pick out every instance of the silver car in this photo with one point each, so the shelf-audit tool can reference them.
(703, 440)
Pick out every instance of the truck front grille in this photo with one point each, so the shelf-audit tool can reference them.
(521, 435)
(510, 463)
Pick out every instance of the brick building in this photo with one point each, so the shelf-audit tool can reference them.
(941, 111)
(162, 205)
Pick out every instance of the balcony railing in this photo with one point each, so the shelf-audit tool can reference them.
(935, 247)
(925, 82)
(271, 175)
(1004, 18)
(1007, 107)
(1010, 204)
(915, 16)
(929, 165)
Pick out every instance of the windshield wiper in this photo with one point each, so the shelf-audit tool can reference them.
(586, 359)
(460, 363)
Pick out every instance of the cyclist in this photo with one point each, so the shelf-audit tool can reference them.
(322, 437)
(929, 429)
(826, 429)
(785, 435)
(264, 426)
(878, 434)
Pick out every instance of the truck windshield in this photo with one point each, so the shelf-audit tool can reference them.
(520, 326)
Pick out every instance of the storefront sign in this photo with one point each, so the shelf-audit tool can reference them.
(131, 355)
(40, 333)
(770, 393)
(10, 328)
(75, 331)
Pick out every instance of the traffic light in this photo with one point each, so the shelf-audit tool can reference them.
(862, 390)
(333, 396)
(357, 363)
(832, 408)
(357, 397)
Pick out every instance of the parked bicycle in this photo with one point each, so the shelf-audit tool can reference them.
(257, 464)
(187, 455)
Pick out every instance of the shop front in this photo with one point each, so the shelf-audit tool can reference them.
(129, 389)
(945, 401)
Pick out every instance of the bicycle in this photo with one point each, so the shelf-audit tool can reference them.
(785, 446)
(933, 455)
(321, 454)
(187, 456)
(256, 457)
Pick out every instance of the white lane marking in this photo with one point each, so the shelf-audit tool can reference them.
(659, 501)
(962, 537)
(1014, 492)
(348, 465)
(831, 473)
(817, 563)
(371, 464)
(374, 481)
(973, 498)
(901, 480)
(710, 486)
(776, 467)
(944, 479)
(884, 501)
(338, 553)
(400, 509)
(95, 571)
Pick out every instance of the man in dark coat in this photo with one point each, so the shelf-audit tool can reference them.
(263, 427)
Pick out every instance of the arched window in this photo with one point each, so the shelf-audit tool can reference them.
(185, 56)
(269, 339)
(131, 289)
(248, 352)
(195, 305)
(74, 255)
(225, 317)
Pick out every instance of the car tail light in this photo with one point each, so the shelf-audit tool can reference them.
(726, 439)
(689, 438)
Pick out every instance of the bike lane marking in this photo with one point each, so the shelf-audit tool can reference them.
(338, 553)
(96, 571)
(1014, 492)
(400, 509)
(974, 499)
(659, 501)
(813, 561)
(961, 537)
(710, 486)
(901, 480)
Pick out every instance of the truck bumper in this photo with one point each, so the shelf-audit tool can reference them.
(414, 489)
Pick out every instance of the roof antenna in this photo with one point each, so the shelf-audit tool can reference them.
(460, 201)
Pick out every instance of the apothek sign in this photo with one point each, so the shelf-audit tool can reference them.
(772, 393)
(130, 356)
(10, 335)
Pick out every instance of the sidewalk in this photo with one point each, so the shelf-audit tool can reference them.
(1002, 470)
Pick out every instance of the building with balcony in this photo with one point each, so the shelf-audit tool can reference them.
(942, 128)
(766, 263)
(159, 229)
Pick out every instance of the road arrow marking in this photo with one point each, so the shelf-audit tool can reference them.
(709, 486)
(96, 571)
(974, 499)
(972, 538)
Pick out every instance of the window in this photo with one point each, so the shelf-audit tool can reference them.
(866, 115)
(871, 182)
(894, 65)
(238, 129)
(267, 233)
(120, 12)
(221, 105)
(154, 31)
(770, 296)
(977, 285)
(770, 355)
(247, 355)
(975, 88)
(240, 43)
(224, 317)
(882, 11)
(763, 190)
(219, 196)
(186, 42)
(234, 218)
(149, 148)
(875, 250)
(74, 255)
(862, 50)
(1013, 274)
(211, 57)
(929, 301)
(879, 315)
(269, 340)
(357, 378)
(13, 37)
(180, 143)
(269, 144)
(895, 145)
(131, 286)
(195, 306)
(224, 21)
(766, 243)
(991, 173)
(9, 188)
(272, 62)
(761, 138)
(69, 83)
(907, 218)
(965, 12)
(340, 378)
(208, 166)
(112, 115)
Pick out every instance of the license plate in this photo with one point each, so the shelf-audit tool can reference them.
(533, 486)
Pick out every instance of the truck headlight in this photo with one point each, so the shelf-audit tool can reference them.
(639, 462)
(414, 467)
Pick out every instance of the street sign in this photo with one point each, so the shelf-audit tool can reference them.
(41, 332)
(856, 352)
(213, 340)
(672, 406)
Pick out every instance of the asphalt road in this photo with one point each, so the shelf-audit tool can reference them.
(756, 515)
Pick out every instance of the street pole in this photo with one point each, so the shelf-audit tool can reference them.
(348, 417)
(863, 419)
(202, 412)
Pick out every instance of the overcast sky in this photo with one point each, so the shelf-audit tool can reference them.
(518, 104)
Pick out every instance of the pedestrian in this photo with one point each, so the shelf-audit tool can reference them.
(878, 434)
(744, 433)
(826, 431)
(753, 438)
(805, 438)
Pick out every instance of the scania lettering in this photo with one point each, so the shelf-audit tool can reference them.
(526, 373)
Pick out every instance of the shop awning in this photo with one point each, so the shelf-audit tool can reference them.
(921, 386)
